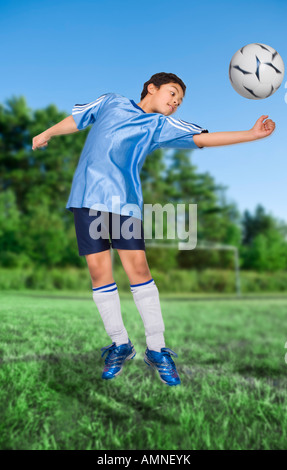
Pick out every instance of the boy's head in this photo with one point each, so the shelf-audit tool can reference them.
(163, 93)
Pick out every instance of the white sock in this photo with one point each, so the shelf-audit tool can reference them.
(146, 298)
(108, 303)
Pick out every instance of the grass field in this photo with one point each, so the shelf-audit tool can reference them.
(231, 360)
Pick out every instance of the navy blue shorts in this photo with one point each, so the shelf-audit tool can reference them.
(93, 231)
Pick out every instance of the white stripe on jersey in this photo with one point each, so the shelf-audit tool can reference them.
(80, 109)
(188, 123)
(86, 104)
(175, 124)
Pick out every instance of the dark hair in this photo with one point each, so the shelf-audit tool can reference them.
(161, 78)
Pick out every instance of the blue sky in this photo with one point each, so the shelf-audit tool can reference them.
(67, 52)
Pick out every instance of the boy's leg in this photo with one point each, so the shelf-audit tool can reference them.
(100, 268)
(106, 296)
(96, 249)
(146, 296)
(131, 250)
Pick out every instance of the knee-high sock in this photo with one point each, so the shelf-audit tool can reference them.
(146, 297)
(108, 303)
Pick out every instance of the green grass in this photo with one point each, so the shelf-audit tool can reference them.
(231, 360)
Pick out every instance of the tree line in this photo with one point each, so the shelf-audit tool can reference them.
(37, 229)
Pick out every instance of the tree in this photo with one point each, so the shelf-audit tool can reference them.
(255, 225)
(217, 220)
(35, 226)
(37, 183)
(264, 241)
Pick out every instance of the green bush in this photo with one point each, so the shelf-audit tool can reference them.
(264, 282)
(172, 281)
(211, 280)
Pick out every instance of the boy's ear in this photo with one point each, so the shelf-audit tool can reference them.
(152, 88)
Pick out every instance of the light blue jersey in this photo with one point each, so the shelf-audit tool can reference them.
(121, 137)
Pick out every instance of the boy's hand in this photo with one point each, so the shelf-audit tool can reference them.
(41, 140)
(262, 129)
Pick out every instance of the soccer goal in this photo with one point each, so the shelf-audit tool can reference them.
(204, 245)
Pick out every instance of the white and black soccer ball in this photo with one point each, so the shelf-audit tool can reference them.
(256, 71)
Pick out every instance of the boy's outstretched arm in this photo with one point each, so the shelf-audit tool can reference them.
(259, 130)
(66, 126)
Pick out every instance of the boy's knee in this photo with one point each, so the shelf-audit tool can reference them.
(141, 270)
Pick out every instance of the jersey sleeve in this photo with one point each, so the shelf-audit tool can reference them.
(176, 133)
(86, 114)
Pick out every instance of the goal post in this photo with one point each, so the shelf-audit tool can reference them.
(205, 245)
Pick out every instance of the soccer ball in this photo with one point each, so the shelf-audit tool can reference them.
(256, 71)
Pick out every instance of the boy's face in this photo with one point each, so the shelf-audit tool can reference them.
(166, 99)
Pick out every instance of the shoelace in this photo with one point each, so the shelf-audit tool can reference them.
(110, 359)
(167, 352)
(109, 349)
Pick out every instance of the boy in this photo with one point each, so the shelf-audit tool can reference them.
(123, 133)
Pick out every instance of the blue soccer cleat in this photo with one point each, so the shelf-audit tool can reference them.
(163, 363)
(116, 357)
